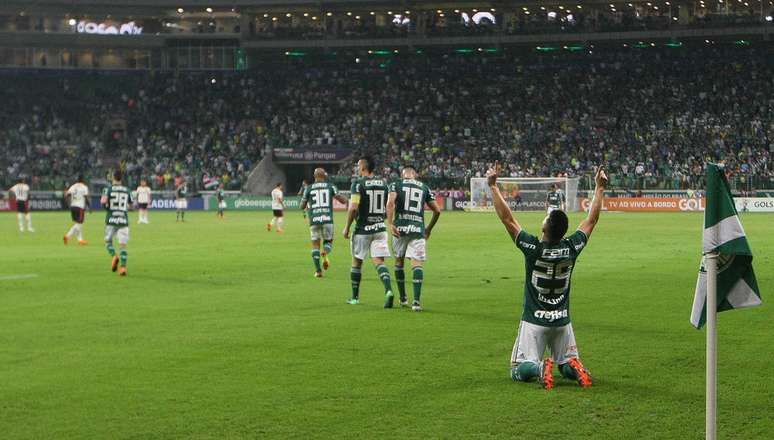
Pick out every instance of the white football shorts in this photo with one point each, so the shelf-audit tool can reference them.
(533, 340)
(410, 247)
(374, 244)
(122, 233)
(321, 232)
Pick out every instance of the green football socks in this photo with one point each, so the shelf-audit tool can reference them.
(525, 372)
(400, 280)
(124, 254)
(355, 276)
(419, 275)
(384, 275)
(568, 372)
(328, 247)
(111, 250)
(316, 259)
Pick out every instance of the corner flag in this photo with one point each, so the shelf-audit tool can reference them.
(724, 235)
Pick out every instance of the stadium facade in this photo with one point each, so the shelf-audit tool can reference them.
(213, 34)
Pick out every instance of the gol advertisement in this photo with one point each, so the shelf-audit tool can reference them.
(648, 204)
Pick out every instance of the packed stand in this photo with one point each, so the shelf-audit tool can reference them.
(653, 116)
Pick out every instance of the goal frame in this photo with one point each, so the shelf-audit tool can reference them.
(568, 184)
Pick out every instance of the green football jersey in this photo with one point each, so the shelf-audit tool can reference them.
(118, 200)
(411, 197)
(547, 283)
(555, 199)
(181, 191)
(319, 202)
(371, 195)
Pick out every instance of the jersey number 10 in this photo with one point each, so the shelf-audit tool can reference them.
(375, 201)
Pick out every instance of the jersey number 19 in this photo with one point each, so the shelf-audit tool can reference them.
(412, 202)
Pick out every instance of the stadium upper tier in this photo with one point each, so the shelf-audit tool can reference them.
(334, 23)
(652, 115)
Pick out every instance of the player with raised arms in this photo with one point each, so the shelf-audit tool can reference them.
(406, 219)
(116, 199)
(77, 194)
(550, 259)
(318, 199)
(21, 193)
(367, 206)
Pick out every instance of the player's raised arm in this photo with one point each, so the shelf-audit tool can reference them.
(587, 225)
(391, 197)
(501, 207)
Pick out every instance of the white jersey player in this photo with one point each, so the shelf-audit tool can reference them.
(143, 201)
(78, 195)
(21, 193)
(277, 206)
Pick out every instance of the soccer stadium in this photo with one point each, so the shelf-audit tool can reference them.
(241, 219)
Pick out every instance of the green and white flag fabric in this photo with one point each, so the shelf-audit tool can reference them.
(723, 233)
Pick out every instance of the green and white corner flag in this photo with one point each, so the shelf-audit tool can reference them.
(723, 233)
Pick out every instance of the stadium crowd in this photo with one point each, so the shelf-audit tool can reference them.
(649, 114)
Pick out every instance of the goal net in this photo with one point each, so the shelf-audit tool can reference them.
(523, 193)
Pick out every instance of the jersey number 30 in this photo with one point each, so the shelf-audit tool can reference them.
(320, 198)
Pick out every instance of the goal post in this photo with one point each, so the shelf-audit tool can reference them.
(523, 193)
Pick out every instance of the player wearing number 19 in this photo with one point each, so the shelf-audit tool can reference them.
(406, 218)
(545, 321)
(366, 205)
(318, 198)
(116, 199)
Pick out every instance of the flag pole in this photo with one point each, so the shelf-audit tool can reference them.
(711, 265)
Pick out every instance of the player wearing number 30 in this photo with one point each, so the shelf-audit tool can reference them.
(545, 322)
(116, 199)
(367, 206)
(406, 217)
(318, 199)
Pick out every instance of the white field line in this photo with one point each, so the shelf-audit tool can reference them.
(23, 276)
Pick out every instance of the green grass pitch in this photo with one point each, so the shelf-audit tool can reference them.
(220, 331)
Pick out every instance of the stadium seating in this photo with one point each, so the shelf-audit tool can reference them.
(653, 115)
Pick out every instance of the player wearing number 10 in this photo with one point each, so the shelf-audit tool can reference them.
(367, 206)
(318, 198)
(116, 199)
(549, 261)
(406, 217)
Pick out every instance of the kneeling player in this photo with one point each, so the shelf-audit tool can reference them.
(549, 263)
(318, 198)
(406, 215)
(116, 199)
(78, 195)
